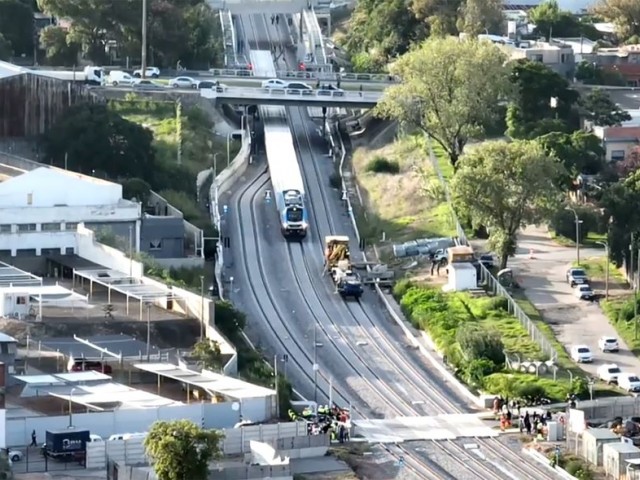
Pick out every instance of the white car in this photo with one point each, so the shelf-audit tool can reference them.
(183, 82)
(584, 292)
(581, 354)
(609, 373)
(629, 382)
(608, 344)
(118, 77)
(150, 72)
(275, 83)
(14, 455)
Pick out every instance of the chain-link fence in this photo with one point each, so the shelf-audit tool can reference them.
(487, 279)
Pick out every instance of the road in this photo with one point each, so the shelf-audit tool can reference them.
(295, 310)
(573, 321)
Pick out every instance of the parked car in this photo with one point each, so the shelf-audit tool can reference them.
(581, 354)
(275, 83)
(608, 344)
(298, 86)
(118, 77)
(330, 89)
(609, 373)
(584, 292)
(147, 85)
(183, 82)
(14, 455)
(487, 260)
(150, 72)
(82, 365)
(629, 382)
(208, 84)
(576, 276)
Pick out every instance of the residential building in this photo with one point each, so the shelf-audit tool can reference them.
(617, 141)
(8, 351)
(41, 209)
(163, 237)
(624, 60)
(558, 56)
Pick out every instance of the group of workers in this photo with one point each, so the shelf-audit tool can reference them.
(333, 421)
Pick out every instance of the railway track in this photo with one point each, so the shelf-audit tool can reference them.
(359, 321)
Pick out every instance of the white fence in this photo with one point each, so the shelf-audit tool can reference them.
(104, 255)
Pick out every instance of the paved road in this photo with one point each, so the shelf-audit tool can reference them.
(572, 320)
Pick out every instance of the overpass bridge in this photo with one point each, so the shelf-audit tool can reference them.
(345, 77)
(292, 97)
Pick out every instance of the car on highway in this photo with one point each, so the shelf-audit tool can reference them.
(581, 354)
(150, 72)
(576, 276)
(118, 77)
(584, 292)
(275, 83)
(298, 86)
(629, 382)
(208, 84)
(183, 82)
(329, 89)
(609, 373)
(608, 344)
(147, 85)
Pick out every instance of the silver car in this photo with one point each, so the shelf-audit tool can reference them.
(183, 82)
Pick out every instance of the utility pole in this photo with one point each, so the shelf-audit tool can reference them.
(148, 332)
(144, 39)
(131, 253)
(578, 221)
(201, 307)
(315, 365)
(275, 383)
(634, 281)
(606, 284)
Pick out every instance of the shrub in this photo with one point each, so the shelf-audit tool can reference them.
(579, 470)
(382, 165)
(480, 344)
(335, 180)
(401, 288)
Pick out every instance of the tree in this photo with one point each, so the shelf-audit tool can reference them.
(630, 164)
(624, 14)
(5, 48)
(505, 186)
(591, 74)
(532, 112)
(455, 103)
(379, 31)
(95, 139)
(601, 110)
(438, 15)
(16, 26)
(230, 321)
(136, 188)
(208, 352)
(181, 450)
(579, 152)
(478, 343)
(59, 50)
(551, 21)
(476, 16)
(620, 202)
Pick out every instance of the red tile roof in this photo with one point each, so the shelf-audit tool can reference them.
(622, 133)
(625, 69)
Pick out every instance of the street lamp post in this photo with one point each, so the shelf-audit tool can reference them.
(71, 407)
(215, 163)
(315, 364)
(148, 331)
(230, 287)
(131, 253)
(605, 244)
(578, 222)
(201, 307)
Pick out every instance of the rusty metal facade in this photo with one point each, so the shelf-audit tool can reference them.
(29, 103)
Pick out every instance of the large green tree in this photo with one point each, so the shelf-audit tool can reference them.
(551, 21)
(95, 139)
(505, 186)
(442, 92)
(624, 14)
(620, 201)
(600, 110)
(60, 50)
(480, 16)
(579, 152)
(543, 101)
(181, 450)
(16, 26)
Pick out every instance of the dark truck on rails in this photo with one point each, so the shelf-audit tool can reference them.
(66, 445)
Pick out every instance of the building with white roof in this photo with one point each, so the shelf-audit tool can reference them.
(40, 211)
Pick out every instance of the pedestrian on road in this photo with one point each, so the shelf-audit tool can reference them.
(34, 442)
(277, 19)
(272, 19)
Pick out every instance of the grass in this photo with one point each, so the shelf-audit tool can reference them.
(620, 313)
(596, 269)
(406, 205)
(590, 241)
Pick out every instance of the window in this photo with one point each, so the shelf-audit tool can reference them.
(21, 300)
(5, 228)
(27, 227)
(617, 155)
(51, 227)
(71, 226)
(563, 58)
(536, 57)
(155, 245)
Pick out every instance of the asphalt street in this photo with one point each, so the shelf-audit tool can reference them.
(574, 322)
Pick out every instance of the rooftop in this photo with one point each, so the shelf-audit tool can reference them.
(9, 70)
(99, 346)
(618, 133)
(232, 388)
(93, 390)
(11, 276)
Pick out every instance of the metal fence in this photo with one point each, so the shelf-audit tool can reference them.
(486, 278)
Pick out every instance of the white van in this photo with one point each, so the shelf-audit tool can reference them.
(629, 382)
(126, 436)
(118, 77)
(95, 438)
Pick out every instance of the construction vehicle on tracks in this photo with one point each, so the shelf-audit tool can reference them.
(338, 264)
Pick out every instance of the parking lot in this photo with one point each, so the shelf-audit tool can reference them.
(573, 321)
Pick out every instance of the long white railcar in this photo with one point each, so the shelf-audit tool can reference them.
(288, 187)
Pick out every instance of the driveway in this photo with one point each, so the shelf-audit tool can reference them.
(574, 322)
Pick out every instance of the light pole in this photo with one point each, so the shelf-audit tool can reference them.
(148, 331)
(230, 287)
(201, 307)
(71, 407)
(578, 222)
(605, 244)
(144, 39)
(228, 149)
(131, 253)
(215, 164)
(315, 365)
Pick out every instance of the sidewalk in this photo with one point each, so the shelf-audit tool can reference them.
(543, 279)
